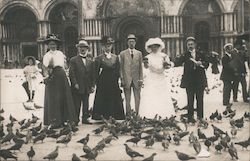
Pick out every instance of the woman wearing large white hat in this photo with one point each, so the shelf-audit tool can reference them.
(156, 98)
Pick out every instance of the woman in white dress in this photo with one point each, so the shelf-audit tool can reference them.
(156, 95)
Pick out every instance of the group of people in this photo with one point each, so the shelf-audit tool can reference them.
(109, 74)
(234, 71)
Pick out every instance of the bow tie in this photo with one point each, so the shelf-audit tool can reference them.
(83, 56)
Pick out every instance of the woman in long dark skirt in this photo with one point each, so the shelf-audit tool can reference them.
(108, 100)
(58, 102)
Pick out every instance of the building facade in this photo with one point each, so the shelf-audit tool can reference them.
(25, 23)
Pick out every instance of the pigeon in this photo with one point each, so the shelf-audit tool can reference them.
(207, 143)
(132, 153)
(86, 149)
(191, 137)
(151, 158)
(53, 155)
(100, 146)
(165, 144)
(233, 132)
(218, 147)
(219, 117)
(12, 119)
(217, 131)
(150, 142)
(243, 144)
(233, 151)
(213, 138)
(201, 135)
(91, 155)
(34, 119)
(182, 156)
(1, 110)
(84, 140)
(21, 122)
(75, 158)
(65, 140)
(29, 106)
(8, 137)
(183, 134)
(38, 128)
(26, 125)
(176, 139)
(17, 146)
(20, 135)
(197, 146)
(98, 130)
(39, 137)
(6, 154)
(2, 134)
(28, 137)
(1, 118)
(31, 153)
(134, 140)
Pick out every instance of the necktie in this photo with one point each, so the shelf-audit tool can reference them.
(83, 56)
(132, 55)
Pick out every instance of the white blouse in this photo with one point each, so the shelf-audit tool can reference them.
(54, 58)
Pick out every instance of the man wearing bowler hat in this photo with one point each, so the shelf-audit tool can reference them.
(81, 74)
(194, 77)
(131, 72)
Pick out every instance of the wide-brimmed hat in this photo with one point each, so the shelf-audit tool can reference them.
(107, 40)
(27, 58)
(131, 36)
(82, 43)
(154, 41)
(52, 37)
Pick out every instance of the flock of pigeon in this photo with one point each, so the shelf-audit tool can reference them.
(167, 133)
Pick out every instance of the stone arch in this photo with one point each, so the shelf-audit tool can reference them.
(53, 3)
(13, 4)
(234, 5)
(185, 2)
(104, 4)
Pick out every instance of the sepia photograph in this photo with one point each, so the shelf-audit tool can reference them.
(148, 80)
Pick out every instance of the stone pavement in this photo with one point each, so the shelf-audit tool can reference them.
(12, 97)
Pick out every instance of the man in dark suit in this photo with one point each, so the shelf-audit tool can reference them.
(241, 59)
(227, 74)
(81, 74)
(194, 77)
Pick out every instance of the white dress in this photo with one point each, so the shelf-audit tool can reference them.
(156, 95)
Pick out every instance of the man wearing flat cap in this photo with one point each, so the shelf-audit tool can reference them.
(82, 77)
(194, 77)
(131, 73)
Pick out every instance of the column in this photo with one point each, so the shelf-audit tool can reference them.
(43, 31)
(1, 44)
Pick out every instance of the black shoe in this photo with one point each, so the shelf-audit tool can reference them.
(246, 101)
(86, 122)
(235, 100)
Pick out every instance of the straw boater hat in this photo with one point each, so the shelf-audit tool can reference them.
(52, 37)
(190, 38)
(82, 43)
(227, 45)
(154, 41)
(131, 36)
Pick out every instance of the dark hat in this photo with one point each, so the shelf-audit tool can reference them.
(107, 40)
(131, 36)
(190, 38)
(52, 37)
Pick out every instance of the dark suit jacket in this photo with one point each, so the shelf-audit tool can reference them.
(194, 77)
(83, 75)
(227, 73)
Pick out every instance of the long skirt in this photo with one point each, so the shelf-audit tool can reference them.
(58, 102)
(108, 100)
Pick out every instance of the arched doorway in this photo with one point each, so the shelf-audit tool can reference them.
(64, 22)
(196, 15)
(70, 37)
(202, 35)
(19, 34)
(132, 27)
